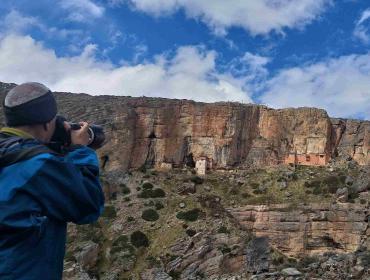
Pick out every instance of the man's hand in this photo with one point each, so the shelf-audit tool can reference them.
(80, 136)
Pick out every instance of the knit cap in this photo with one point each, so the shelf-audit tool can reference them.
(29, 104)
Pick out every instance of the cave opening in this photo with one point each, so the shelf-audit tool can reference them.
(152, 135)
(189, 161)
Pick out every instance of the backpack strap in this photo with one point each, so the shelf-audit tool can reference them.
(8, 158)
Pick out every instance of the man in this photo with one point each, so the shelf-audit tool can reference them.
(40, 193)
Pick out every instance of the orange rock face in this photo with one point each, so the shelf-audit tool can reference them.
(155, 132)
(312, 229)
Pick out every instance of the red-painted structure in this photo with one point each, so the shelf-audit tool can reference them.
(307, 159)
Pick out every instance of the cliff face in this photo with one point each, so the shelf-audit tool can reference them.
(313, 229)
(155, 131)
(352, 139)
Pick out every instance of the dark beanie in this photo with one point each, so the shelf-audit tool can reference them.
(28, 104)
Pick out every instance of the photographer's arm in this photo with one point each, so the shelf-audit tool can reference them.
(68, 187)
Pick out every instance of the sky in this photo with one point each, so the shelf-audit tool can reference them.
(280, 53)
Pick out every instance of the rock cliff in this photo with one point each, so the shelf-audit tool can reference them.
(309, 230)
(155, 132)
(255, 218)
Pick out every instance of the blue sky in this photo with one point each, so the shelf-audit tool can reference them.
(282, 53)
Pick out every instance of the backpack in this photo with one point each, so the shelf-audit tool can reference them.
(11, 157)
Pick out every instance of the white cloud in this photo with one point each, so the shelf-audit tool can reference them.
(362, 31)
(15, 22)
(339, 85)
(190, 74)
(257, 17)
(82, 10)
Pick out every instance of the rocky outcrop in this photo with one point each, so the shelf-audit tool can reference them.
(352, 140)
(308, 230)
(156, 132)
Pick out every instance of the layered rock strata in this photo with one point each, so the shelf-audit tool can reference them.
(308, 230)
(156, 132)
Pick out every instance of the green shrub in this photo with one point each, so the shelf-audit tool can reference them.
(318, 190)
(139, 239)
(124, 189)
(254, 185)
(190, 232)
(147, 186)
(130, 219)
(148, 193)
(142, 169)
(158, 193)
(246, 195)
(295, 176)
(224, 249)
(109, 212)
(159, 205)
(150, 215)
(197, 180)
(223, 229)
(277, 258)
(190, 216)
(352, 195)
(127, 199)
(175, 274)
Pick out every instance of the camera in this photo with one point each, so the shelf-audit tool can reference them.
(62, 137)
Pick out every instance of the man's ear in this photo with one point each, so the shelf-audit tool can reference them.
(45, 125)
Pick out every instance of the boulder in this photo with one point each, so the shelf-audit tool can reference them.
(187, 188)
(342, 195)
(291, 271)
(88, 256)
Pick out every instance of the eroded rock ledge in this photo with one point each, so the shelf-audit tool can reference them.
(308, 230)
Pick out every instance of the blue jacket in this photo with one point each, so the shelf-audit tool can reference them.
(38, 197)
